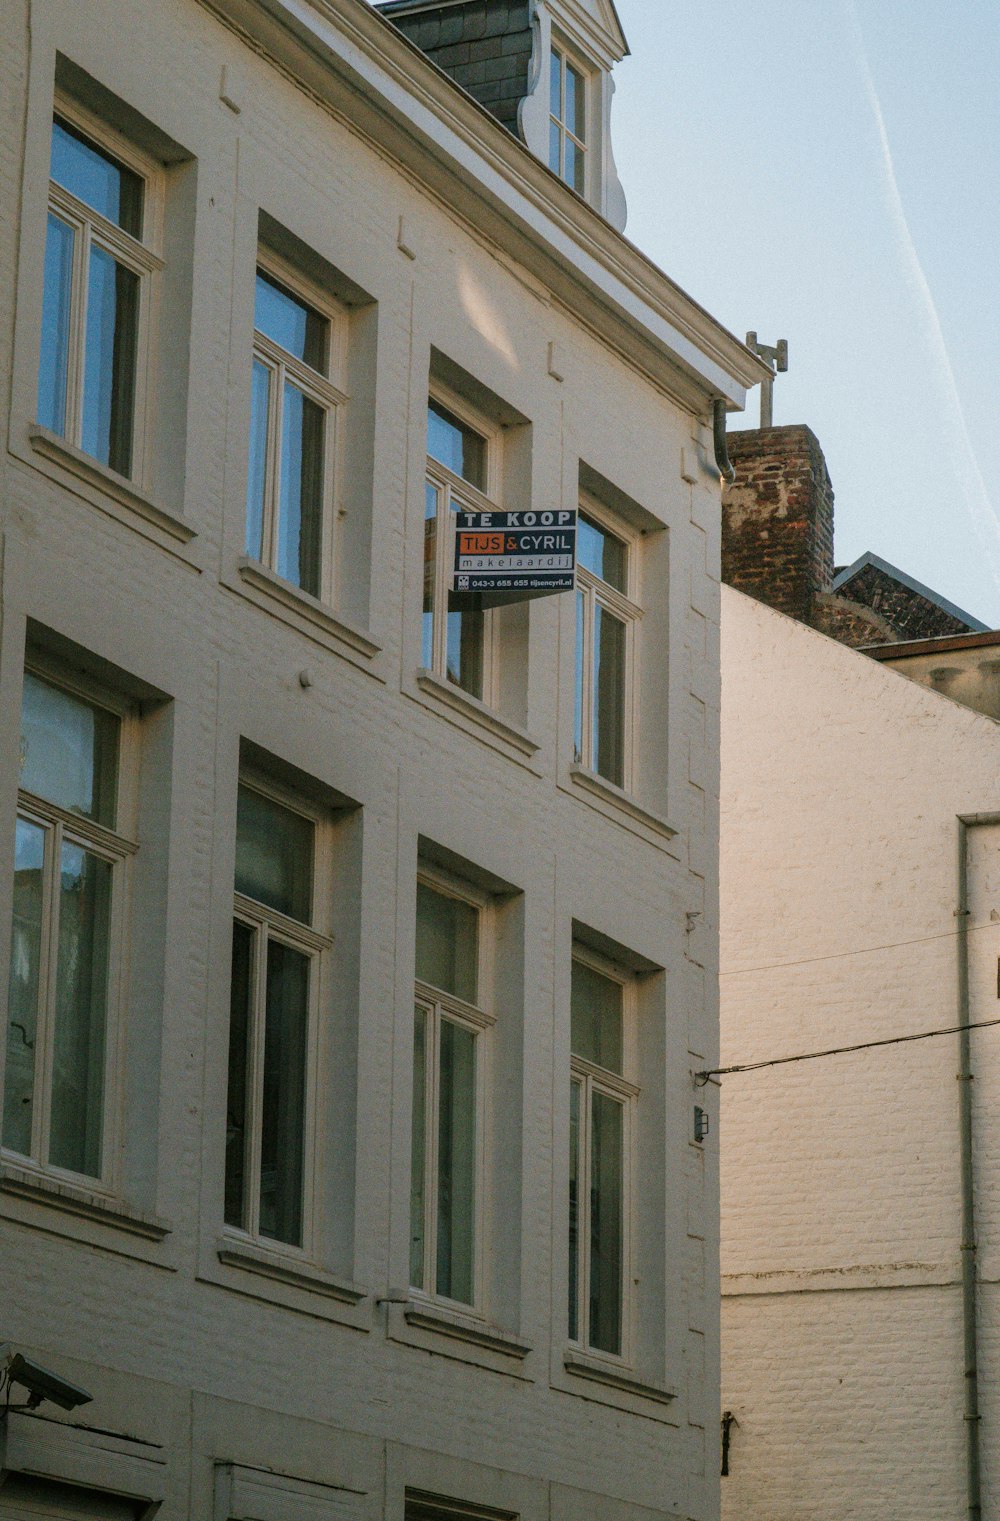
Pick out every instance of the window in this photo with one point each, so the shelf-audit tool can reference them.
(461, 471)
(567, 121)
(99, 269)
(273, 1001)
(70, 863)
(427, 1507)
(448, 1087)
(293, 415)
(601, 1105)
(606, 626)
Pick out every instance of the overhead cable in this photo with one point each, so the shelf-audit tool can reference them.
(865, 1045)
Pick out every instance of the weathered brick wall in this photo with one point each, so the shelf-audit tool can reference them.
(849, 622)
(777, 522)
(911, 615)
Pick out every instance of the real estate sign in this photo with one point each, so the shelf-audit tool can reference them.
(510, 556)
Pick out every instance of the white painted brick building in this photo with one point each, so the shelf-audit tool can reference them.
(310, 1253)
(843, 1355)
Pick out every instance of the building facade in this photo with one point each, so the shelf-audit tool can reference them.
(358, 941)
(858, 904)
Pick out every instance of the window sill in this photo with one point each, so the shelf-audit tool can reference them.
(470, 708)
(51, 447)
(448, 1322)
(78, 1200)
(599, 787)
(317, 614)
(585, 1365)
(253, 1258)
(447, 1332)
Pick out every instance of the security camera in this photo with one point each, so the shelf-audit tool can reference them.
(42, 1384)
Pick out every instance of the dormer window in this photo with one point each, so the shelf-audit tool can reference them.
(568, 121)
(543, 69)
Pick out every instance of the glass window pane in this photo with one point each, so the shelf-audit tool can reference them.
(418, 1149)
(576, 102)
(301, 499)
(575, 166)
(606, 1223)
(53, 366)
(97, 178)
(23, 987)
(238, 1098)
(274, 855)
(596, 1017)
(465, 641)
(581, 613)
(76, 1122)
(430, 570)
(602, 553)
(609, 696)
(555, 85)
(260, 400)
(109, 361)
(455, 445)
(574, 1211)
(447, 943)
(290, 322)
(69, 750)
(555, 147)
(283, 1101)
(456, 1180)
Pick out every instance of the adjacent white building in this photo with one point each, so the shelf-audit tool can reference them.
(358, 944)
(860, 902)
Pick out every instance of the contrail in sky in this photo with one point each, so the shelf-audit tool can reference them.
(977, 498)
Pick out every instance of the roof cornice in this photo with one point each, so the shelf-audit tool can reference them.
(361, 66)
(606, 45)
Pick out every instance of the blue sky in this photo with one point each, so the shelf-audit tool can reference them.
(827, 172)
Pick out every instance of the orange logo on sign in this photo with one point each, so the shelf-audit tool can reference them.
(480, 543)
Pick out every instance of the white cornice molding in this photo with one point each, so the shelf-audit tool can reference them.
(575, 21)
(363, 68)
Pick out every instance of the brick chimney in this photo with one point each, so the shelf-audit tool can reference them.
(777, 520)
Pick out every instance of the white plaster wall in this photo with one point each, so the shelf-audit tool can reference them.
(198, 1361)
(842, 1336)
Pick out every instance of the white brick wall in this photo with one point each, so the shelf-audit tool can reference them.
(842, 1332)
(190, 1359)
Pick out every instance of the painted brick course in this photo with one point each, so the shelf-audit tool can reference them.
(842, 1329)
(186, 1354)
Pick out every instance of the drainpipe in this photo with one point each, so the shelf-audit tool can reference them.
(722, 459)
(965, 1078)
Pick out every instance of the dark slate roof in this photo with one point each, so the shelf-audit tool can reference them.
(913, 609)
(485, 45)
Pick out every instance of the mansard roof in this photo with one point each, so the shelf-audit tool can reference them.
(484, 45)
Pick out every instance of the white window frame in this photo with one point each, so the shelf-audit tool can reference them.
(455, 494)
(116, 846)
(327, 391)
(141, 255)
(439, 1005)
(568, 55)
(625, 607)
(624, 1090)
(270, 924)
